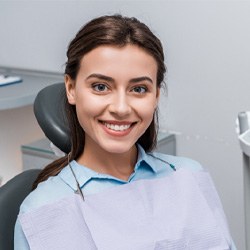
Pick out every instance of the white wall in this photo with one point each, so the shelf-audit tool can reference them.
(208, 57)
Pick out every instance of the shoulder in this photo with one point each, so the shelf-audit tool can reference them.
(46, 192)
(177, 161)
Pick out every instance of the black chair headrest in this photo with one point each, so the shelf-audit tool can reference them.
(49, 109)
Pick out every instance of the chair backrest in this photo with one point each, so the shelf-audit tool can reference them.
(50, 114)
(11, 196)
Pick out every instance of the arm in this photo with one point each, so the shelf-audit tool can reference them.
(233, 247)
(20, 242)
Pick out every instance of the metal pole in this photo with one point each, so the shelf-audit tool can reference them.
(246, 178)
(243, 122)
(244, 126)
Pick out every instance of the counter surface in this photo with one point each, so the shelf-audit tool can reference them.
(21, 94)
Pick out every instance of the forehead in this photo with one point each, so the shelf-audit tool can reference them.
(129, 60)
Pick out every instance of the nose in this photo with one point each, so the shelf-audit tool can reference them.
(120, 105)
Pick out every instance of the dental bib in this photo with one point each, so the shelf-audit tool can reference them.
(176, 212)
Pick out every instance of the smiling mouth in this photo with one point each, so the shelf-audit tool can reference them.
(118, 127)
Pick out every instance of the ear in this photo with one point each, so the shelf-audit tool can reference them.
(158, 91)
(70, 89)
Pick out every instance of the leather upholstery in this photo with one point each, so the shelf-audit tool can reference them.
(50, 114)
(11, 196)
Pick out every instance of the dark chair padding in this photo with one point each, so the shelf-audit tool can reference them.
(50, 114)
(11, 196)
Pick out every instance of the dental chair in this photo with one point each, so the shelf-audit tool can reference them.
(50, 114)
(11, 196)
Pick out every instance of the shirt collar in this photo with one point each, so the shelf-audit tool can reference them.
(144, 157)
(84, 174)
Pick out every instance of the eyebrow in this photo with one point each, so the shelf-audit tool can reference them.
(110, 79)
(101, 77)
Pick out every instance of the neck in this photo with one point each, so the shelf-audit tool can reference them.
(120, 165)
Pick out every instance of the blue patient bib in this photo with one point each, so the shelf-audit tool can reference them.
(176, 212)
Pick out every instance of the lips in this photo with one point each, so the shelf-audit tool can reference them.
(118, 126)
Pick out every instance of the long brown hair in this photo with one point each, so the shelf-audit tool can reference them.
(113, 30)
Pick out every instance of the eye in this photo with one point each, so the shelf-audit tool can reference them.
(140, 89)
(99, 87)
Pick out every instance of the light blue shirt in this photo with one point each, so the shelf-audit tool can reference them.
(148, 166)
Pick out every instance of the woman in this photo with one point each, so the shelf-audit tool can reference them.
(126, 196)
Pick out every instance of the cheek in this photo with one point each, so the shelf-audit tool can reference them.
(88, 108)
(149, 116)
(146, 116)
(86, 111)
(146, 108)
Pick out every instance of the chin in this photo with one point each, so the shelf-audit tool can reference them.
(118, 148)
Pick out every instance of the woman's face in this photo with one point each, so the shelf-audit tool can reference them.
(115, 95)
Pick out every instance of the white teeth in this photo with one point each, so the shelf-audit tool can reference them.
(117, 127)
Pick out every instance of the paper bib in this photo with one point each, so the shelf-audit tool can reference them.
(180, 211)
